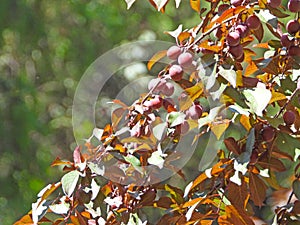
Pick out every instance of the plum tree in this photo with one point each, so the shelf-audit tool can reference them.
(242, 30)
(236, 3)
(154, 103)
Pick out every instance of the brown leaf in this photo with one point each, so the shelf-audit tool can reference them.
(235, 216)
(202, 177)
(238, 195)
(257, 189)
(59, 162)
(232, 145)
(259, 33)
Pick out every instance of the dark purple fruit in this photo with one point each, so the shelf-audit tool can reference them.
(176, 72)
(253, 22)
(154, 103)
(236, 51)
(289, 118)
(194, 112)
(293, 26)
(236, 3)
(242, 30)
(233, 38)
(286, 41)
(268, 134)
(222, 8)
(294, 51)
(294, 5)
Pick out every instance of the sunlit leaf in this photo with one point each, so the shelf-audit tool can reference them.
(69, 182)
(277, 96)
(218, 128)
(176, 32)
(255, 101)
(154, 59)
(177, 3)
(59, 162)
(193, 92)
(160, 4)
(229, 75)
(195, 5)
(129, 3)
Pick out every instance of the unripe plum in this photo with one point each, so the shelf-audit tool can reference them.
(242, 30)
(253, 22)
(236, 51)
(185, 59)
(176, 72)
(154, 103)
(167, 89)
(274, 3)
(293, 26)
(236, 3)
(289, 117)
(294, 51)
(294, 5)
(194, 112)
(173, 52)
(285, 41)
(222, 8)
(268, 134)
(233, 38)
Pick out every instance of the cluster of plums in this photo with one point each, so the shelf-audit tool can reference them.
(182, 60)
(233, 38)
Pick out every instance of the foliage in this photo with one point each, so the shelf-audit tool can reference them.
(255, 79)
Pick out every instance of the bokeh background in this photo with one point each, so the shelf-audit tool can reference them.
(45, 47)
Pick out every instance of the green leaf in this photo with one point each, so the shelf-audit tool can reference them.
(69, 182)
(96, 168)
(159, 131)
(61, 208)
(175, 118)
(296, 188)
(132, 160)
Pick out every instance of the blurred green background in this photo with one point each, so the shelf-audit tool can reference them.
(45, 47)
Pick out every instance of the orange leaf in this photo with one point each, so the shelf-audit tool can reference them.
(195, 4)
(238, 195)
(245, 121)
(277, 96)
(193, 92)
(59, 162)
(154, 59)
(262, 45)
(25, 220)
(237, 216)
(257, 189)
(183, 36)
(251, 69)
(202, 177)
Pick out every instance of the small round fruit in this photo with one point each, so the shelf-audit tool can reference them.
(268, 134)
(242, 30)
(294, 51)
(274, 3)
(293, 26)
(167, 89)
(154, 103)
(236, 51)
(241, 58)
(222, 8)
(233, 38)
(286, 41)
(184, 127)
(185, 59)
(173, 52)
(253, 22)
(289, 118)
(176, 72)
(236, 3)
(194, 112)
(294, 5)
(156, 82)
